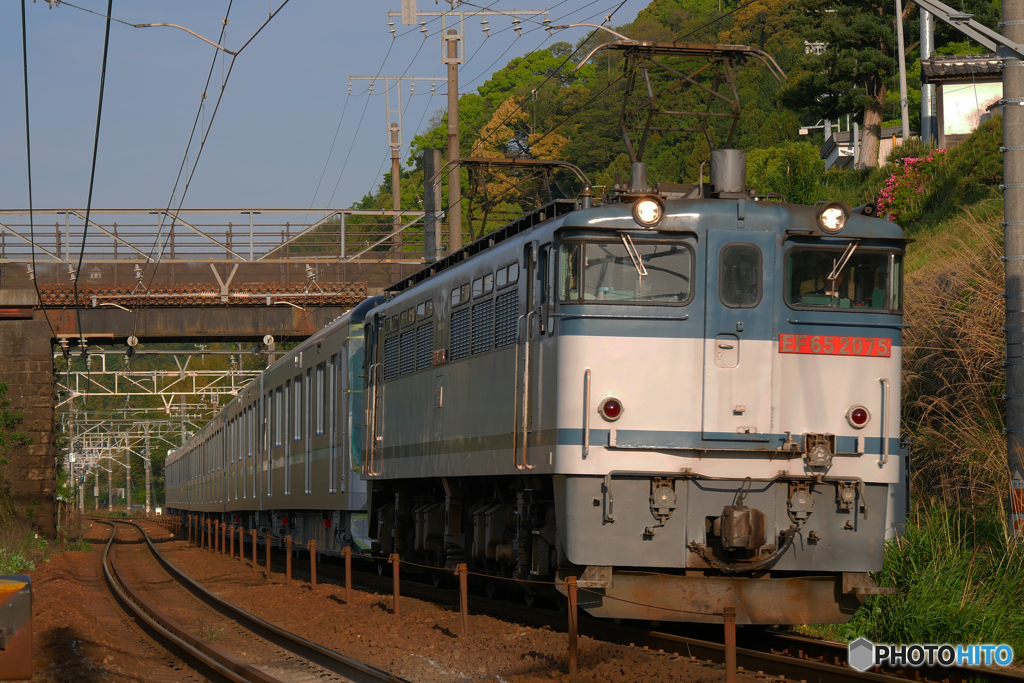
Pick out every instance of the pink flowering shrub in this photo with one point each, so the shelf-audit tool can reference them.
(908, 186)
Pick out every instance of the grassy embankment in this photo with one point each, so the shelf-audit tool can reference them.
(957, 571)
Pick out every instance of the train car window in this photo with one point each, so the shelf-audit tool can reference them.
(297, 402)
(478, 287)
(488, 283)
(501, 277)
(464, 289)
(513, 272)
(428, 306)
(655, 273)
(394, 323)
(570, 259)
(456, 299)
(277, 417)
(321, 397)
(410, 315)
(402, 318)
(896, 284)
(739, 275)
(387, 325)
(842, 279)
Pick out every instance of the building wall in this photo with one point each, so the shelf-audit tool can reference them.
(27, 368)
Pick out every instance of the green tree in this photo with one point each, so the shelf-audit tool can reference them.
(855, 71)
(10, 439)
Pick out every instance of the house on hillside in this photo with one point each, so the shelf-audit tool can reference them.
(968, 90)
(842, 149)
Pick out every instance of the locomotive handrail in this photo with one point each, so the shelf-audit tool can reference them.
(586, 413)
(850, 323)
(620, 317)
(515, 395)
(526, 391)
(885, 420)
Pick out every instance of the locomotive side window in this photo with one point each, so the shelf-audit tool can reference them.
(513, 272)
(739, 278)
(625, 272)
(569, 261)
(847, 279)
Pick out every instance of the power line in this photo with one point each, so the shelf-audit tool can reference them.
(206, 134)
(92, 172)
(28, 157)
(554, 71)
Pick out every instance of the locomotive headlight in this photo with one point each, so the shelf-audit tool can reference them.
(858, 416)
(610, 408)
(647, 211)
(832, 218)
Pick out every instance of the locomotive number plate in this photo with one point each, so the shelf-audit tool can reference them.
(835, 346)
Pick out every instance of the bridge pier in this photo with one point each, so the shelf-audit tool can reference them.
(26, 366)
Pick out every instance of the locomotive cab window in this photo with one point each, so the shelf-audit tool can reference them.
(847, 279)
(625, 271)
(739, 275)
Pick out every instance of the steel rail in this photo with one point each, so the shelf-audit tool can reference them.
(318, 654)
(211, 661)
(778, 654)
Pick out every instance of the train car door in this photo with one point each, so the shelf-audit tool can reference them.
(738, 335)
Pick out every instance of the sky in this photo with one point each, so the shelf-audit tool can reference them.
(270, 144)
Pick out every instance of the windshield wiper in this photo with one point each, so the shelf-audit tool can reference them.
(634, 255)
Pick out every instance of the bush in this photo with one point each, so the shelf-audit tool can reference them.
(958, 576)
(793, 169)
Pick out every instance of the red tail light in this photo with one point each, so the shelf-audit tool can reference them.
(610, 409)
(858, 416)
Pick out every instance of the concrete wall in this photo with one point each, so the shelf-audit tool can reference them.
(26, 365)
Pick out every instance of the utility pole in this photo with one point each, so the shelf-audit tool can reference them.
(149, 470)
(904, 114)
(452, 54)
(1013, 240)
(1008, 47)
(393, 116)
(432, 247)
(452, 41)
(929, 121)
(127, 476)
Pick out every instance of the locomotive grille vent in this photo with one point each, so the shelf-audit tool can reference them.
(460, 334)
(408, 352)
(505, 323)
(424, 346)
(483, 326)
(391, 358)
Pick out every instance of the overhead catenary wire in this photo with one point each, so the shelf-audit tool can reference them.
(28, 160)
(557, 70)
(92, 176)
(206, 133)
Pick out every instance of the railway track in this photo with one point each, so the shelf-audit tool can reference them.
(253, 651)
(783, 655)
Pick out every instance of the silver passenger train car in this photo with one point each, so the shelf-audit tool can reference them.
(685, 399)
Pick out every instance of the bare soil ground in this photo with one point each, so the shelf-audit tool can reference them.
(81, 634)
(424, 645)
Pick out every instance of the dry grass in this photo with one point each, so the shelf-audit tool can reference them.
(953, 375)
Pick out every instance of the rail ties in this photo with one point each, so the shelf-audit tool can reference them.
(293, 658)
